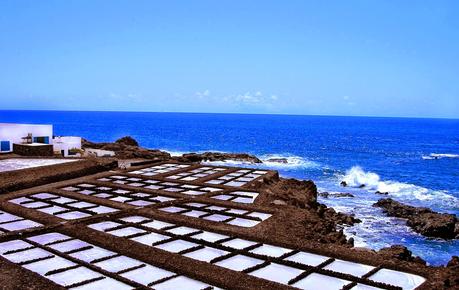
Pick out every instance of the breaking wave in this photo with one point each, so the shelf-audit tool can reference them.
(357, 177)
(439, 156)
(286, 161)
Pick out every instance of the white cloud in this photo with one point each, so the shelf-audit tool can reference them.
(203, 94)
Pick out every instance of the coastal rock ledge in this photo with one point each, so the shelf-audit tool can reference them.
(422, 220)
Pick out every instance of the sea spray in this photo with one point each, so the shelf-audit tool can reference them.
(356, 177)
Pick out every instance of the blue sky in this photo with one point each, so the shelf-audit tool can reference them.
(371, 58)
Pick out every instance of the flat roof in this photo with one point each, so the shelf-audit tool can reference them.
(19, 124)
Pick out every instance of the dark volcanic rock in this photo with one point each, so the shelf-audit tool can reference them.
(127, 140)
(217, 156)
(382, 193)
(343, 183)
(422, 220)
(401, 253)
(335, 194)
(124, 150)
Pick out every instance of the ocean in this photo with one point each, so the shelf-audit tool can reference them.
(415, 160)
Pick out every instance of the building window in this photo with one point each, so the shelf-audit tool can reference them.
(4, 146)
(43, 140)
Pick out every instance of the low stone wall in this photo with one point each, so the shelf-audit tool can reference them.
(36, 150)
(26, 178)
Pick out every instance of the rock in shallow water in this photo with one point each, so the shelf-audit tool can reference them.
(422, 220)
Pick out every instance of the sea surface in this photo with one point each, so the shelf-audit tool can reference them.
(415, 160)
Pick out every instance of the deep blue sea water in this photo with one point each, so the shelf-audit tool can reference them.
(415, 160)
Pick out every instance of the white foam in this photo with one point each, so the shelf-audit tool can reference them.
(432, 156)
(356, 176)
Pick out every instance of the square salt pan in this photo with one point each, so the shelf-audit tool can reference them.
(117, 264)
(73, 215)
(44, 266)
(326, 282)
(73, 276)
(134, 219)
(182, 230)
(124, 232)
(13, 246)
(404, 280)
(350, 268)
(150, 239)
(172, 209)
(209, 236)
(238, 244)
(307, 259)
(239, 262)
(158, 224)
(147, 274)
(176, 246)
(92, 254)
(102, 226)
(271, 251)
(27, 255)
(206, 254)
(243, 222)
(106, 283)
(48, 238)
(365, 287)
(216, 218)
(69, 245)
(20, 225)
(102, 209)
(277, 273)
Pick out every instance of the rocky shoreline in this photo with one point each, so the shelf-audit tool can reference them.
(422, 220)
(304, 217)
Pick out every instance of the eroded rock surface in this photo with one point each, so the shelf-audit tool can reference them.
(422, 220)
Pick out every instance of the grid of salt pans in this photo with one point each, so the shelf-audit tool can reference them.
(76, 264)
(159, 169)
(119, 195)
(299, 269)
(197, 173)
(188, 189)
(238, 196)
(10, 223)
(60, 206)
(238, 178)
(215, 213)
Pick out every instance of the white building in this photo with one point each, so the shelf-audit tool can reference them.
(67, 146)
(32, 134)
(24, 134)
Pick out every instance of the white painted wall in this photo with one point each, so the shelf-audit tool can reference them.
(14, 132)
(66, 143)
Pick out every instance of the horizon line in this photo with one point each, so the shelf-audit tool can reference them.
(231, 113)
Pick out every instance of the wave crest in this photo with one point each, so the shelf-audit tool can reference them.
(356, 177)
(439, 156)
(287, 161)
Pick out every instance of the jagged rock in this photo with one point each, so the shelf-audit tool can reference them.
(324, 194)
(454, 262)
(383, 193)
(217, 156)
(127, 140)
(343, 183)
(124, 151)
(422, 220)
(401, 253)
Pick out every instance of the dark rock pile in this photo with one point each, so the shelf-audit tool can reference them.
(218, 156)
(423, 220)
(127, 148)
